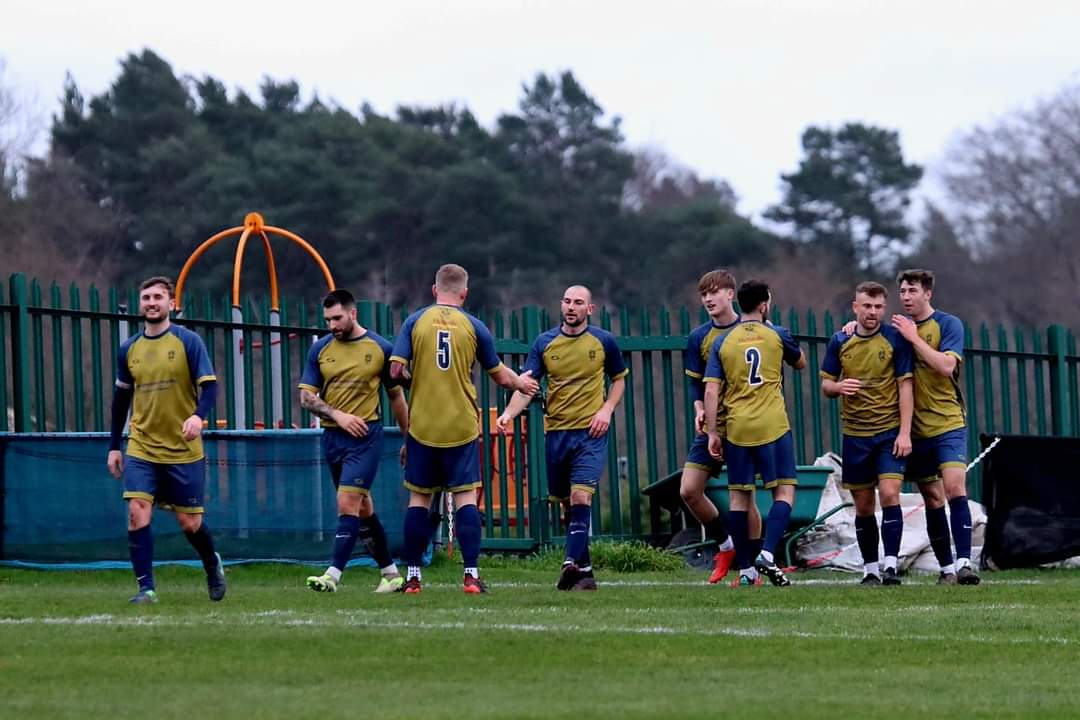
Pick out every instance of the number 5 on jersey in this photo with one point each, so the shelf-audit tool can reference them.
(442, 349)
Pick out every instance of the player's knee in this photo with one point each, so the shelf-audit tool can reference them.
(461, 499)
(189, 522)
(933, 494)
(419, 500)
(784, 493)
(690, 493)
(350, 504)
(139, 512)
(864, 502)
(580, 497)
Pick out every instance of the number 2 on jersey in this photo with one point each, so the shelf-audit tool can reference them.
(753, 359)
(442, 349)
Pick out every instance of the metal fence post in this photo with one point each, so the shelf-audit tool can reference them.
(20, 352)
(1059, 383)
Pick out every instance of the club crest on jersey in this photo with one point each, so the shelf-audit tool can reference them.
(881, 355)
(367, 358)
(172, 354)
(592, 354)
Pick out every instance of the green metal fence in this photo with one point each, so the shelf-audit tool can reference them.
(58, 361)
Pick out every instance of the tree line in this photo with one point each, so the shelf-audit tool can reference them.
(551, 194)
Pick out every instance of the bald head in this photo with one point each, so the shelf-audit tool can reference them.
(576, 307)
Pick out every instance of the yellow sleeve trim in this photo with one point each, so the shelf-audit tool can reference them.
(496, 369)
(905, 376)
(955, 355)
(206, 378)
(305, 386)
(398, 359)
(395, 390)
(714, 380)
(621, 375)
(828, 376)
(691, 373)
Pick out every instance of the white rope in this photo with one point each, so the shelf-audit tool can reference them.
(449, 522)
(983, 454)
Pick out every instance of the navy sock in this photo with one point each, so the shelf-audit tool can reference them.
(937, 527)
(141, 548)
(585, 559)
(755, 547)
(892, 529)
(716, 529)
(203, 542)
(960, 519)
(467, 521)
(348, 527)
(577, 534)
(417, 535)
(738, 522)
(776, 525)
(373, 535)
(866, 532)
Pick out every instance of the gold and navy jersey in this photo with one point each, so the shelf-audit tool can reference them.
(165, 371)
(748, 362)
(879, 361)
(699, 344)
(439, 344)
(939, 406)
(575, 366)
(347, 373)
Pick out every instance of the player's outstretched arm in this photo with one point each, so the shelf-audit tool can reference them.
(902, 446)
(518, 402)
(523, 383)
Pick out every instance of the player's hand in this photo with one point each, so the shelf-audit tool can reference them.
(351, 424)
(504, 423)
(716, 446)
(192, 428)
(849, 386)
(600, 423)
(115, 463)
(526, 384)
(902, 446)
(699, 421)
(906, 327)
(849, 327)
(402, 454)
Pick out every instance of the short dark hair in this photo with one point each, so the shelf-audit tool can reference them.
(916, 276)
(751, 294)
(714, 280)
(341, 297)
(871, 288)
(157, 280)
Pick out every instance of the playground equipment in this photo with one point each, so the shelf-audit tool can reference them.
(253, 225)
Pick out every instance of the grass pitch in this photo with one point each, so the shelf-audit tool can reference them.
(647, 645)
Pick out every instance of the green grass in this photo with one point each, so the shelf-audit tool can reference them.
(647, 645)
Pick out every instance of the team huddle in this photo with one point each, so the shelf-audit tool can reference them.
(901, 409)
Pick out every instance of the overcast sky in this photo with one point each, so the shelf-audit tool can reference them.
(723, 86)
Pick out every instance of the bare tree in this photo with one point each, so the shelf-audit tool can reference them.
(1016, 187)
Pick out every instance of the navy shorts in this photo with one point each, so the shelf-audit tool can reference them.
(699, 457)
(868, 459)
(171, 486)
(575, 461)
(773, 462)
(353, 461)
(931, 455)
(429, 470)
